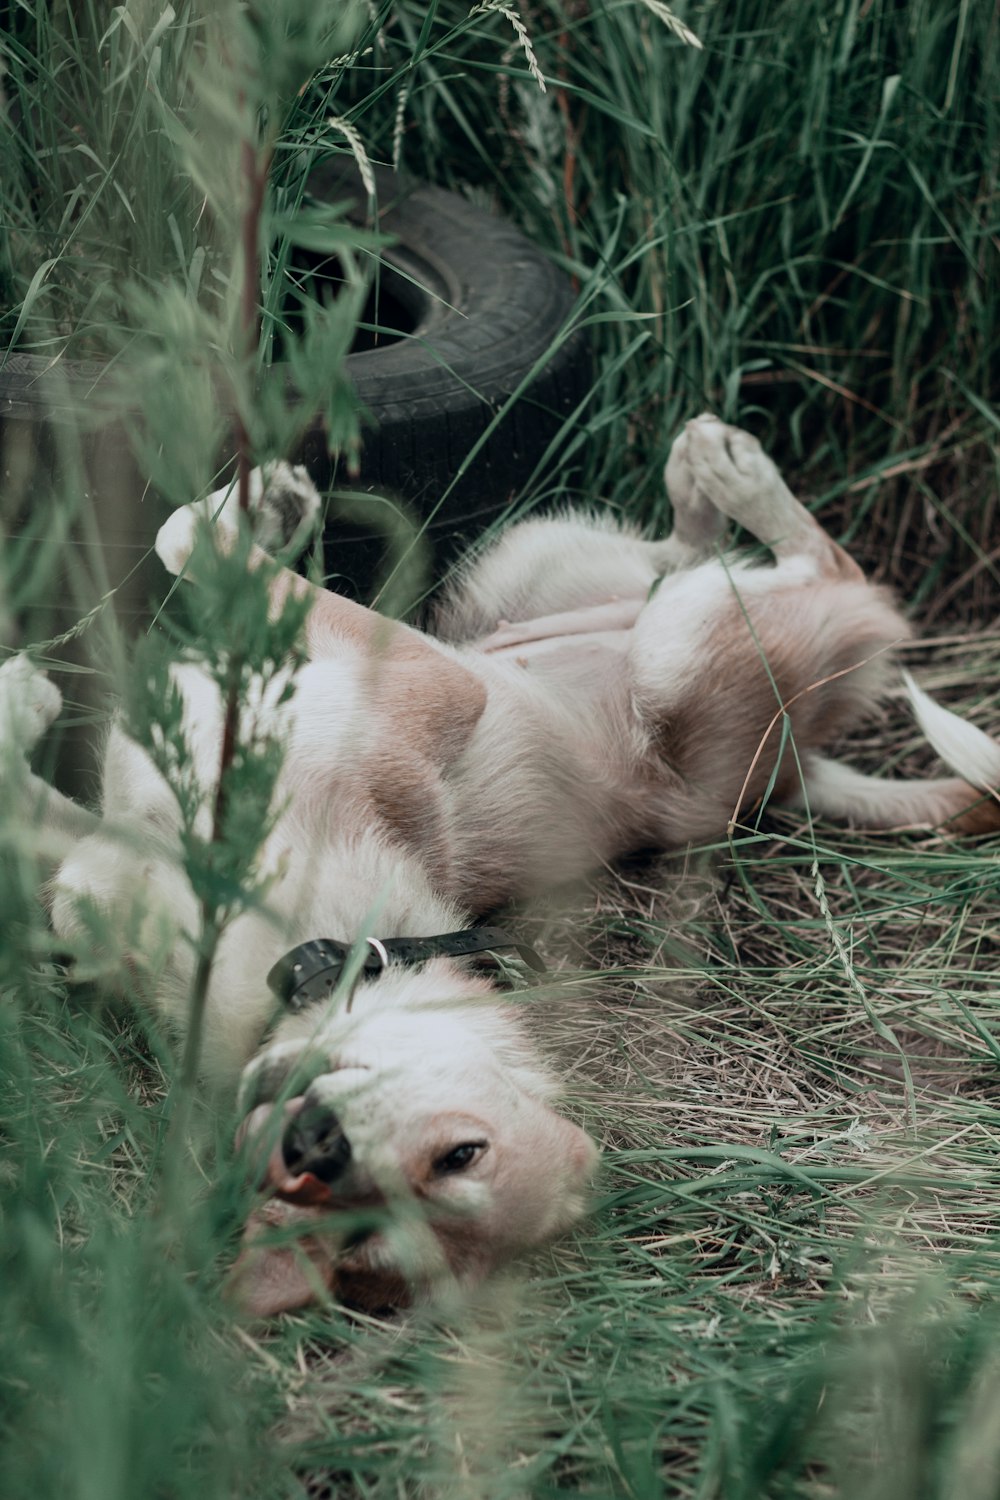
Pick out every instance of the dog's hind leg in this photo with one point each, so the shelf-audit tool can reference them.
(725, 467)
(732, 665)
(729, 660)
(699, 523)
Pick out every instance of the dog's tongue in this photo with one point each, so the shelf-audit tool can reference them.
(300, 1188)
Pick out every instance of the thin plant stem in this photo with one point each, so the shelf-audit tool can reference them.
(256, 165)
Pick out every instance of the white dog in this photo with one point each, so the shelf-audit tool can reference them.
(586, 692)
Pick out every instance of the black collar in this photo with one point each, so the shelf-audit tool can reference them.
(309, 973)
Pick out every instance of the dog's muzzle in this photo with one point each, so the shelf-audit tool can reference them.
(314, 1142)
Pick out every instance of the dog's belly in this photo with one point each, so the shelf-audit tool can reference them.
(549, 788)
(585, 671)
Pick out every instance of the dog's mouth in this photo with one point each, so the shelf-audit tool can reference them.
(313, 1227)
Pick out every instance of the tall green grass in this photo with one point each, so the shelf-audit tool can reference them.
(788, 1044)
(793, 225)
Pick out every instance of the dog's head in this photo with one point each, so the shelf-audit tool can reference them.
(418, 1144)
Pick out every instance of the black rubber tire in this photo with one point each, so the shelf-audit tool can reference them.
(492, 320)
(486, 307)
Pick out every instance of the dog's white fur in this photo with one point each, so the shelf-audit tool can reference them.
(587, 692)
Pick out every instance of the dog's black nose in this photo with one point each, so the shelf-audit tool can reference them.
(314, 1141)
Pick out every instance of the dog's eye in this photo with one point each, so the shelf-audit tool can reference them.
(458, 1158)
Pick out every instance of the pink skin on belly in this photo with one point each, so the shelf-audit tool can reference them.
(615, 615)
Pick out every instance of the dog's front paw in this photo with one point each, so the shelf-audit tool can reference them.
(176, 537)
(124, 912)
(283, 504)
(29, 703)
(275, 1071)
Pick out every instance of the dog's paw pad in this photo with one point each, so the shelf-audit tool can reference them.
(29, 702)
(744, 451)
(696, 448)
(708, 436)
(286, 504)
(266, 1075)
(728, 464)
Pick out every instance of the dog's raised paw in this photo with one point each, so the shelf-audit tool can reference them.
(728, 464)
(708, 452)
(175, 538)
(29, 702)
(285, 505)
(677, 475)
(711, 439)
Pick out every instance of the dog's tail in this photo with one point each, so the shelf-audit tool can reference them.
(974, 797)
(968, 802)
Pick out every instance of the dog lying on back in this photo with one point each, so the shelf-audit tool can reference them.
(586, 692)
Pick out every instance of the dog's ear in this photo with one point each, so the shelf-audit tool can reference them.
(548, 1182)
(570, 1187)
